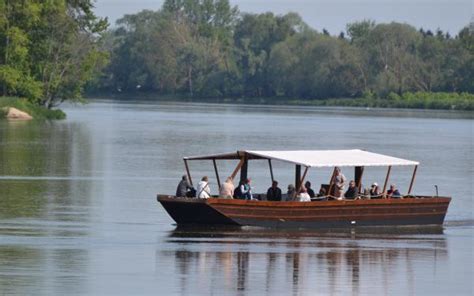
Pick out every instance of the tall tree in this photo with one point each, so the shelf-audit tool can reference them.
(254, 36)
(393, 53)
(50, 48)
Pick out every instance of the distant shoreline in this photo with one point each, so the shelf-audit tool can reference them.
(445, 101)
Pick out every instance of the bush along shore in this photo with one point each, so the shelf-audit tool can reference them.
(408, 100)
(22, 104)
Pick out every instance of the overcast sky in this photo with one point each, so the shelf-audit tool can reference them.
(450, 15)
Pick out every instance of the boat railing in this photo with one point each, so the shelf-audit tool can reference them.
(262, 197)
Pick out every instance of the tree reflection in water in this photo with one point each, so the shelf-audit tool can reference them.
(268, 261)
(44, 206)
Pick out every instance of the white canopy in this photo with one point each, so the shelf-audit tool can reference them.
(317, 158)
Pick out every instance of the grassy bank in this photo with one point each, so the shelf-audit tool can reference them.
(24, 105)
(417, 100)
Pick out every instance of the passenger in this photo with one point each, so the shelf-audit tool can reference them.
(366, 193)
(352, 192)
(308, 188)
(274, 193)
(322, 191)
(227, 189)
(374, 190)
(237, 192)
(246, 190)
(203, 189)
(339, 182)
(393, 192)
(303, 195)
(291, 193)
(184, 187)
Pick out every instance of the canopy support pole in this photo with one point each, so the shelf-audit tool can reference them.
(244, 168)
(187, 172)
(386, 181)
(271, 169)
(412, 180)
(297, 176)
(237, 168)
(302, 180)
(217, 173)
(331, 181)
(358, 173)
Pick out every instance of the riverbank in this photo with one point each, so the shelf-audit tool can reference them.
(37, 112)
(418, 100)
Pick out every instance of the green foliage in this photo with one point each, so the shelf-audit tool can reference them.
(205, 48)
(49, 50)
(34, 110)
(412, 100)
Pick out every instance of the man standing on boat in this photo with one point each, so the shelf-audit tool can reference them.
(339, 182)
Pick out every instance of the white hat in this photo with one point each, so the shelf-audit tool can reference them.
(375, 184)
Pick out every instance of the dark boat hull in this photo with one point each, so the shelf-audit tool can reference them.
(322, 214)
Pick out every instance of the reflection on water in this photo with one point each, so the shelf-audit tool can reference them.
(30, 149)
(78, 213)
(25, 269)
(304, 262)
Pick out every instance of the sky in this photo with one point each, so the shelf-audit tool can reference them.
(333, 15)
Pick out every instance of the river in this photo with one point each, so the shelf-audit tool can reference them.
(78, 213)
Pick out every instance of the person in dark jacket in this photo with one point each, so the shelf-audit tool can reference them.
(352, 191)
(393, 192)
(374, 190)
(183, 187)
(274, 193)
(237, 193)
(310, 191)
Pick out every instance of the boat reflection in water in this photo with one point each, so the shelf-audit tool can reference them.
(306, 262)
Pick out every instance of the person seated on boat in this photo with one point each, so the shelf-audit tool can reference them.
(303, 195)
(203, 189)
(365, 194)
(237, 192)
(353, 191)
(374, 190)
(322, 191)
(227, 189)
(184, 188)
(339, 183)
(291, 193)
(393, 192)
(274, 192)
(308, 188)
(246, 190)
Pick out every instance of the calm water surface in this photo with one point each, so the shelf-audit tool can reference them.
(78, 213)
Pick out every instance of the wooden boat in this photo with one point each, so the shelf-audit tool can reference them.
(408, 210)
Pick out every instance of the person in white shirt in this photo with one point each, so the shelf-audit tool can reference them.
(303, 195)
(203, 190)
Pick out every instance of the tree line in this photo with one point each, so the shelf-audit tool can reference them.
(207, 48)
(52, 51)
